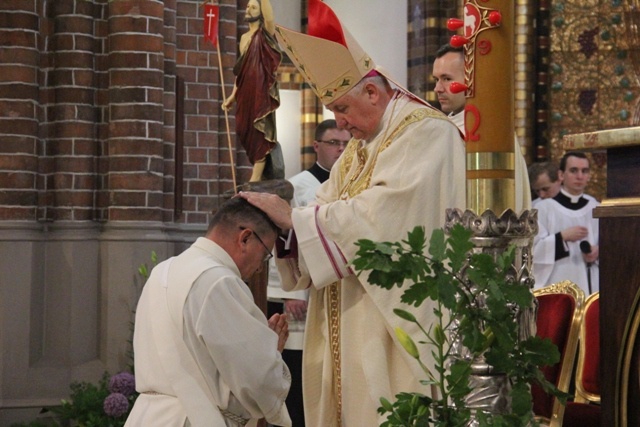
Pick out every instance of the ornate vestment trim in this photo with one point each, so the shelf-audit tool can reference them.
(361, 177)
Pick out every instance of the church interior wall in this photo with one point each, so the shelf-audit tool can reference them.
(89, 180)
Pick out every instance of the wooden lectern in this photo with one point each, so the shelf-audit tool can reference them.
(619, 217)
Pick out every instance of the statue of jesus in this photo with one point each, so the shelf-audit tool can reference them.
(256, 92)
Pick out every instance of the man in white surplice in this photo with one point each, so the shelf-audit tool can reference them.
(448, 67)
(205, 355)
(567, 244)
(404, 167)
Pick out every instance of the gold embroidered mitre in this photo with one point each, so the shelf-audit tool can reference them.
(329, 58)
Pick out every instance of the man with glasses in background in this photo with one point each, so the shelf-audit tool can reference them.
(329, 143)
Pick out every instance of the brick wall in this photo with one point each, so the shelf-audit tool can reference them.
(90, 123)
(427, 32)
(19, 60)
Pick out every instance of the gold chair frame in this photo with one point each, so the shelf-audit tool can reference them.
(566, 369)
(582, 395)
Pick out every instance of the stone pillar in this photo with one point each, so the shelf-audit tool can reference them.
(427, 32)
(311, 117)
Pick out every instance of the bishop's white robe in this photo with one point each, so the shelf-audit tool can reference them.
(407, 175)
(201, 343)
(548, 268)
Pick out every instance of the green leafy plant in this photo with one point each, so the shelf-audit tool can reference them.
(97, 405)
(476, 300)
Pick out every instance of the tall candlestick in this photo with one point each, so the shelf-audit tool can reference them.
(488, 37)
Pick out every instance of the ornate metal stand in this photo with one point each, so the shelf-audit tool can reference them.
(494, 235)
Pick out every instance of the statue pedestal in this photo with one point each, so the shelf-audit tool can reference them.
(619, 217)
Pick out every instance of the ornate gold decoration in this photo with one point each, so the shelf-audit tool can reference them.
(566, 369)
(490, 161)
(333, 314)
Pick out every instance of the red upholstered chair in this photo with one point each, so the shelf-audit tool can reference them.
(584, 411)
(559, 314)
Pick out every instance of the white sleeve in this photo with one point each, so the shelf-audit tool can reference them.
(231, 333)
(544, 249)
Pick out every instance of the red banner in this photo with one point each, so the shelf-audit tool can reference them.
(211, 13)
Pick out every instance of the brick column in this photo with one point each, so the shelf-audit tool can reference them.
(170, 129)
(70, 146)
(427, 32)
(136, 110)
(19, 60)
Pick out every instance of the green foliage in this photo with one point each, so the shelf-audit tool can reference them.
(143, 270)
(479, 293)
(85, 406)
(37, 423)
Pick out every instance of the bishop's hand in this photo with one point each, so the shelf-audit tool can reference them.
(276, 208)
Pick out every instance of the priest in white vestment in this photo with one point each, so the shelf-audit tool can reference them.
(448, 67)
(204, 353)
(404, 167)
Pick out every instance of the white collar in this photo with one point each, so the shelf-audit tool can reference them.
(322, 167)
(458, 120)
(574, 199)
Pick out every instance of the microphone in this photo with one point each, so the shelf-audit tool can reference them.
(585, 248)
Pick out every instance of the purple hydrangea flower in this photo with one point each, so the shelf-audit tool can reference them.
(124, 383)
(116, 405)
